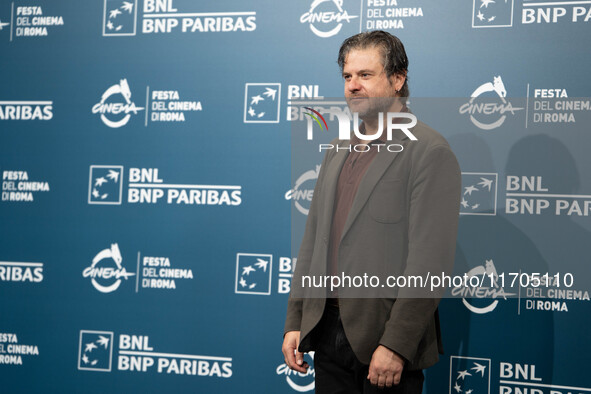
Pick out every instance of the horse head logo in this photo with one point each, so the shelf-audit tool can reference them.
(499, 86)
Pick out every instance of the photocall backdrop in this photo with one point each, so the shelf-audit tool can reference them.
(148, 194)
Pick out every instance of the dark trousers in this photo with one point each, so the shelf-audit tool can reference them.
(338, 371)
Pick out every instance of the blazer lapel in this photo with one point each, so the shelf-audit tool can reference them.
(331, 180)
(374, 173)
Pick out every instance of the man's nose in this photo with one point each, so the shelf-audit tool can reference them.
(354, 85)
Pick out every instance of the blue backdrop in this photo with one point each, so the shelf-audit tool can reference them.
(150, 216)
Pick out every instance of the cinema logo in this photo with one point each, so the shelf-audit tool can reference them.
(326, 17)
(303, 190)
(3, 25)
(487, 113)
(116, 106)
(480, 286)
(134, 353)
(26, 110)
(106, 271)
(298, 381)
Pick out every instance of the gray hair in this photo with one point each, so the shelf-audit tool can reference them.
(394, 57)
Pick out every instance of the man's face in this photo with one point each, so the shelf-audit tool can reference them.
(368, 90)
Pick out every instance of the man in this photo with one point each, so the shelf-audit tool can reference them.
(375, 211)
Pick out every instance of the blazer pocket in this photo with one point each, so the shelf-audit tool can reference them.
(386, 204)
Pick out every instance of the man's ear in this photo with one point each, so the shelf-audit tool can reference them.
(397, 80)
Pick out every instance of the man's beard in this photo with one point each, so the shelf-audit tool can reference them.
(369, 108)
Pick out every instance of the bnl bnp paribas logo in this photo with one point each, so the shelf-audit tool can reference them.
(479, 193)
(489, 111)
(469, 375)
(95, 350)
(115, 106)
(492, 13)
(262, 102)
(500, 13)
(106, 272)
(326, 18)
(254, 274)
(136, 353)
(119, 18)
(105, 185)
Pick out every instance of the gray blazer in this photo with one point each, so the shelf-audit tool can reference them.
(403, 221)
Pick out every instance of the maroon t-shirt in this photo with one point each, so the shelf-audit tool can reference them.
(350, 177)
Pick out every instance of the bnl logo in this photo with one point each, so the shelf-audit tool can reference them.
(469, 375)
(95, 350)
(105, 184)
(119, 18)
(490, 13)
(479, 193)
(262, 102)
(253, 273)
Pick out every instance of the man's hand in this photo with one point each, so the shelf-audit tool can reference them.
(293, 358)
(385, 367)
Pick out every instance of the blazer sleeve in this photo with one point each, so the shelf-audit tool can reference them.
(294, 304)
(432, 230)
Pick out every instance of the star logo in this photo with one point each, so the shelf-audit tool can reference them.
(253, 273)
(262, 102)
(485, 3)
(479, 196)
(463, 374)
(462, 381)
(120, 18)
(105, 186)
(492, 13)
(479, 368)
(468, 190)
(95, 350)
